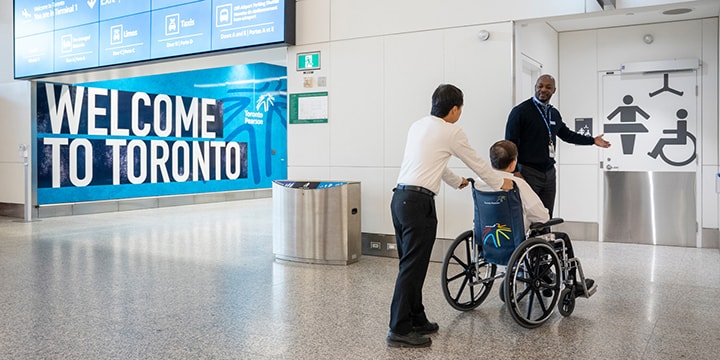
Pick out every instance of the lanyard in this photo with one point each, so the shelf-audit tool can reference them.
(546, 119)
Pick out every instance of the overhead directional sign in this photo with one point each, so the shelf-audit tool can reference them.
(60, 36)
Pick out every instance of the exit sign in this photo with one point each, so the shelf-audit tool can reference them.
(308, 61)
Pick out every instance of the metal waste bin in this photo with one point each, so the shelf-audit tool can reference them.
(316, 221)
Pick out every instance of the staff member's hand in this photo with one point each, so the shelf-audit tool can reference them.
(507, 184)
(599, 141)
(464, 183)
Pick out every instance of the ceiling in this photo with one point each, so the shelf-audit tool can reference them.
(636, 16)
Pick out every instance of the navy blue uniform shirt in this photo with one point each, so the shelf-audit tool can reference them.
(529, 131)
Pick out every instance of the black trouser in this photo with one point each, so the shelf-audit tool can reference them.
(543, 184)
(415, 222)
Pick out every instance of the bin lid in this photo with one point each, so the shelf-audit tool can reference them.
(299, 184)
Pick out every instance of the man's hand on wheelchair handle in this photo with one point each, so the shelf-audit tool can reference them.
(507, 184)
(464, 183)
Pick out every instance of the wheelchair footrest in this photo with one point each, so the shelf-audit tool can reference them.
(592, 290)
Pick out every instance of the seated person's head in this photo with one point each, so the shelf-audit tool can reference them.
(503, 155)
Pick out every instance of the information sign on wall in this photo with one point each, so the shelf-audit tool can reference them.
(309, 108)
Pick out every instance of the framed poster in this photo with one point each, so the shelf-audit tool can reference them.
(309, 108)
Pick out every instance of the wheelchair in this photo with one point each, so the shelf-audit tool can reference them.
(536, 274)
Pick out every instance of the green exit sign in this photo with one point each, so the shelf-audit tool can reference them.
(308, 61)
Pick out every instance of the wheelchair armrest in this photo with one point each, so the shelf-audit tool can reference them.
(539, 226)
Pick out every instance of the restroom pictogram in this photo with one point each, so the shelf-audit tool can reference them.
(680, 139)
(628, 126)
(666, 87)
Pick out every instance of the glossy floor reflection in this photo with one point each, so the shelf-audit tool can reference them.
(200, 281)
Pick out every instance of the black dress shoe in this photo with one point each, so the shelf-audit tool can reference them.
(428, 328)
(411, 340)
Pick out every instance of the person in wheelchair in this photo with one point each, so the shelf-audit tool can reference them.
(503, 158)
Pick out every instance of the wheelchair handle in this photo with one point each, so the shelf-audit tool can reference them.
(539, 226)
(472, 182)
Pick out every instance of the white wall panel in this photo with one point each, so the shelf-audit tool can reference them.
(709, 81)
(413, 69)
(710, 197)
(312, 21)
(12, 187)
(578, 55)
(372, 192)
(15, 116)
(7, 60)
(483, 72)
(354, 19)
(308, 172)
(578, 193)
(356, 103)
(308, 144)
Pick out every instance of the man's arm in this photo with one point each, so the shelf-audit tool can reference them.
(461, 148)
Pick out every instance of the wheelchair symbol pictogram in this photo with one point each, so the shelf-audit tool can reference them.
(681, 139)
(494, 237)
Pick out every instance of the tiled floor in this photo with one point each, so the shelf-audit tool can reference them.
(200, 281)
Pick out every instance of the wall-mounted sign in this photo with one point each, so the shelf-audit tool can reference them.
(61, 36)
(583, 126)
(309, 108)
(161, 134)
(308, 61)
(655, 118)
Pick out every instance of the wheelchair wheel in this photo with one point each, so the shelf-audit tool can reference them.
(466, 277)
(532, 283)
(501, 293)
(567, 302)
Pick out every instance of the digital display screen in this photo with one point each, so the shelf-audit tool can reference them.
(62, 36)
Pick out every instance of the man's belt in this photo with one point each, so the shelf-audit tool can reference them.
(419, 189)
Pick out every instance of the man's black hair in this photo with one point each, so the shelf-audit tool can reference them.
(444, 98)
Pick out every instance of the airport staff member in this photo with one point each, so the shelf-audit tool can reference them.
(431, 141)
(533, 126)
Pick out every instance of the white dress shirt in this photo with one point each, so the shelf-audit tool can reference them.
(431, 141)
(533, 208)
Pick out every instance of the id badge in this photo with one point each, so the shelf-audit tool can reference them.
(551, 150)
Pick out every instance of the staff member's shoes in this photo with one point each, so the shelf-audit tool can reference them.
(427, 328)
(411, 340)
